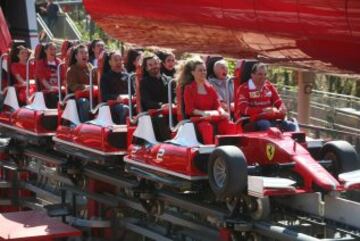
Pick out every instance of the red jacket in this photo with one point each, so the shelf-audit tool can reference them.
(251, 102)
(20, 69)
(193, 100)
(45, 71)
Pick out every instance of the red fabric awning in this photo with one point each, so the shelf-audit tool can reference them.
(5, 37)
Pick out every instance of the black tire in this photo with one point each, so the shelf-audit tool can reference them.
(343, 155)
(235, 172)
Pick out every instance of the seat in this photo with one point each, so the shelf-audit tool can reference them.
(242, 72)
(6, 72)
(66, 45)
(37, 51)
(181, 115)
(210, 62)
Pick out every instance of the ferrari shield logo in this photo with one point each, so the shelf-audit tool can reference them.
(270, 151)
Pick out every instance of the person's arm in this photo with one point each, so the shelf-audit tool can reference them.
(242, 103)
(72, 80)
(16, 74)
(189, 102)
(42, 75)
(146, 100)
(219, 106)
(277, 101)
(19, 79)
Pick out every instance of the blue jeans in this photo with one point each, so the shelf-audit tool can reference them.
(119, 112)
(83, 106)
(262, 125)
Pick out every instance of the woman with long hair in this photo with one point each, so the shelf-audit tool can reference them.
(95, 49)
(133, 60)
(168, 63)
(19, 57)
(46, 73)
(78, 76)
(200, 99)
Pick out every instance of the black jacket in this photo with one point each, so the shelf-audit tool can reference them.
(154, 92)
(112, 85)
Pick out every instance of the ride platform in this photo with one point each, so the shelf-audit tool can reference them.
(33, 225)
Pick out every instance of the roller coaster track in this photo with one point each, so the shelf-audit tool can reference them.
(163, 214)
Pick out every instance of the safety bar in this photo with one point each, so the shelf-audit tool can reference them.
(1, 71)
(129, 82)
(171, 124)
(28, 77)
(58, 73)
(228, 101)
(91, 87)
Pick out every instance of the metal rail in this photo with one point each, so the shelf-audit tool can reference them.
(27, 81)
(178, 209)
(2, 57)
(44, 26)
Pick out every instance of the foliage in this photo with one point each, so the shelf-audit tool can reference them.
(283, 77)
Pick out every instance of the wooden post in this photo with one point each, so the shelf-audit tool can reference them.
(305, 84)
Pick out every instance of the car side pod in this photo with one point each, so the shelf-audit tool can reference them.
(351, 180)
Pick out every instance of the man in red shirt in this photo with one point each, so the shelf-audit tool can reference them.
(259, 100)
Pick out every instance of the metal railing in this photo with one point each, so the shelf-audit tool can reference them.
(323, 97)
(328, 134)
(72, 25)
(44, 27)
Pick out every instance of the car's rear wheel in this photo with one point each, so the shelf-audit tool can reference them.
(227, 170)
(343, 156)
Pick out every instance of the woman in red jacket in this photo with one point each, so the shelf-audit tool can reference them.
(201, 99)
(46, 73)
(19, 57)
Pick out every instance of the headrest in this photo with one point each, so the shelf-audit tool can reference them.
(64, 48)
(242, 72)
(37, 51)
(103, 67)
(180, 103)
(210, 62)
(103, 58)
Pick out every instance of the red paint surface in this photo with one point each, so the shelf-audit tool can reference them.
(33, 225)
(323, 34)
(4, 34)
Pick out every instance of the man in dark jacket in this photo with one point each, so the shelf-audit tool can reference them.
(154, 85)
(51, 10)
(154, 94)
(114, 86)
